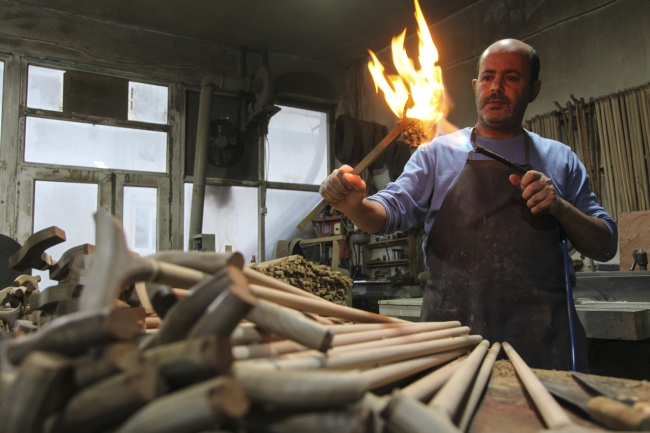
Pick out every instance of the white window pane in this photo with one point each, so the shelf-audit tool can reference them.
(285, 209)
(45, 88)
(51, 141)
(297, 146)
(230, 213)
(69, 206)
(148, 103)
(139, 219)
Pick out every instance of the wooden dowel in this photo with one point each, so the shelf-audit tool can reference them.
(319, 307)
(368, 358)
(384, 375)
(479, 385)
(191, 409)
(359, 337)
(552, 413)
(302, 389)
(424, 388)
(340, 340)
(363, 327)
(152, 322)
(408, 415)
(244, 334)
(403, 339)
(451, 395)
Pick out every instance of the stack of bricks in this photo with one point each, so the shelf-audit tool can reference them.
(317, 279)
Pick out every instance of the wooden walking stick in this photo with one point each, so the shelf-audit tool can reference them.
(479, 386)
(302, 389)
(318, 307)
(552, 413)
(384, 375)
(405, 414)
(191, 409)
(424, 388)
(115, 267)
(42, 387)
(451, 395)
(74, 334)
(32, 254)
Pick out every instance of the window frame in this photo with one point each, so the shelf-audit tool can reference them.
(261, 184)
(18, 219)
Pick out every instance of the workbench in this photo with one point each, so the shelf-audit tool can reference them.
(506, 408)
(610, 305)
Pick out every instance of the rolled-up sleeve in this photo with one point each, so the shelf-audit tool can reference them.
(578, 193)
(407, 199)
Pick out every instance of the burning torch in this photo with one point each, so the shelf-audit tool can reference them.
(414, 95)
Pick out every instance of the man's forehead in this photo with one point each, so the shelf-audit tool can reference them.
(503, 60)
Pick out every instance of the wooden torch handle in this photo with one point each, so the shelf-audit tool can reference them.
(365, 162)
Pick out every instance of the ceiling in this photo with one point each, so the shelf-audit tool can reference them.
(336, 31)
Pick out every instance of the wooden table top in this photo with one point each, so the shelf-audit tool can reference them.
(506, 407)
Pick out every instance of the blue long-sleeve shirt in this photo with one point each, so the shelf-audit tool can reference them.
(418, 193)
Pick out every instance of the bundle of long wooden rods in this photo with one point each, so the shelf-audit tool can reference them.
(611, 136)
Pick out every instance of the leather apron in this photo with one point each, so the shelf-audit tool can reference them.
(497, 268)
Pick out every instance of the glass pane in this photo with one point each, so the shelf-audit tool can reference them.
(45, 88)
(147, 103)
(297, 146)
(285, 209)
(61, 142)
(230, 213)
(139, 219)
(69, 206)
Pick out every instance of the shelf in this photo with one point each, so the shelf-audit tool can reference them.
(387, 263)
(387, 243)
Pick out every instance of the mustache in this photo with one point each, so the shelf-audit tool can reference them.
(497, 96)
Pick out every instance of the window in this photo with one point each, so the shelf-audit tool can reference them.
(84, 144)
(285, 210)
(147, 103)
(139, 219)
(230, 213)
(49, 141)
(109, 132)
(297, 151)
(45, 88)
(69, 206)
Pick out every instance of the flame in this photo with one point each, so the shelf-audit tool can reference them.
(424, 84)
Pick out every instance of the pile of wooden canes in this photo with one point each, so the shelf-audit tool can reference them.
(236, 351)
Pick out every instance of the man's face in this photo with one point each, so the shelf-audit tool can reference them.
(503, 89)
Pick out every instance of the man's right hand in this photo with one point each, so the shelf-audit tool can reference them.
(345, 191)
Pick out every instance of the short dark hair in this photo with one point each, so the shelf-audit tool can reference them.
(534, 64)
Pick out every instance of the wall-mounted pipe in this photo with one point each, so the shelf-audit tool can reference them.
(200, 156)
(261, 86)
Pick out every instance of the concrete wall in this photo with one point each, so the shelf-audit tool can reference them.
(62, 36)
(587, 47)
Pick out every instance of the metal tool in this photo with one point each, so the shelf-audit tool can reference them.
(483, 151)
(616, 394)
(609, 412)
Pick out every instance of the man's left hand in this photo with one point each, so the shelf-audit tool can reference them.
(538, 191)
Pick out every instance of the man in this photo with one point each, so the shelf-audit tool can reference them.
(493, 247)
